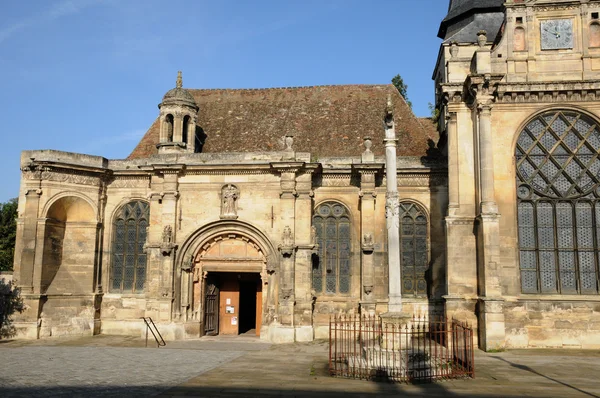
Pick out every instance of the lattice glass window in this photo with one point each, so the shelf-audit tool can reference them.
(128, 271)
(414, 253)
(331, 271)
(558, 190)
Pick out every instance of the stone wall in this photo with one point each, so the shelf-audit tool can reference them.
(556, 323)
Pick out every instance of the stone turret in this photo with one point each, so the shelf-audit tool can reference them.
(178, 115)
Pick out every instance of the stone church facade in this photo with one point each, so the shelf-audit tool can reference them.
(267, 211)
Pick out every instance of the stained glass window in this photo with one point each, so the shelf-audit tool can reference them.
(331, 270)
(128, 272)
(558, 210)
(414, 254)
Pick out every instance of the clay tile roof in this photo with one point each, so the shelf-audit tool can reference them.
(327, 121)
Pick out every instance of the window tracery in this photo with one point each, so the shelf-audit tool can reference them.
(558, 210)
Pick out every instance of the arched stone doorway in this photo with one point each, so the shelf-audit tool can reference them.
(227, 280)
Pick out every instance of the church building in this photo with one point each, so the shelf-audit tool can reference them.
(267, 211)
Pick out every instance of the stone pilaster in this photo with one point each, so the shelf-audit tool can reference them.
(453, 168)
(368, 172)
(490, 311)
(303, 260)
(28, 235)
(287, 246)
(162, 238)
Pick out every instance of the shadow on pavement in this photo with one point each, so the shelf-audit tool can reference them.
(385, 390)
(528, 369)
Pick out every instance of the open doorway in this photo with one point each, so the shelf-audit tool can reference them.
(233, 303)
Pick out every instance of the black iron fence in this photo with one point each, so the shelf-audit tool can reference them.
(417, 350)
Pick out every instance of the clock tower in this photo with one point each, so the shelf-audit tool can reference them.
(518, 91)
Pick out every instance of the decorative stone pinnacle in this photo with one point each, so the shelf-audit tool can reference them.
(481, 38)
(179, 82)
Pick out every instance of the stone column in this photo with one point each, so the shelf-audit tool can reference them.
(178, 127)
(191, 137)
(392, 213)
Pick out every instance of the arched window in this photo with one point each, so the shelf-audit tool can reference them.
(186, 126)
(128, 273)
(558, 175)
(331, 273)
(414, 254)
(169, 123)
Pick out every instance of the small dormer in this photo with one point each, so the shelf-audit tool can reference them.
(178, 117)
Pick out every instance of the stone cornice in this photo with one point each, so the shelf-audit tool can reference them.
(531, 92)
(368, 168)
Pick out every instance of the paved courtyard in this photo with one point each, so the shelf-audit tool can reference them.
(245, 367)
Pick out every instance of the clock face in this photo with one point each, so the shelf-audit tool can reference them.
(556, 34)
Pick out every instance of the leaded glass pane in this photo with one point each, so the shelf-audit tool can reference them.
(129, 262)
(587, 271)
(333, 266)
(413, 249)
(548, 271)
(559, 237)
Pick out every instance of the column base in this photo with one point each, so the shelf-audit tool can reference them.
(492, 327)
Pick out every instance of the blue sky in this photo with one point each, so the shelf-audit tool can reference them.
(86, 75)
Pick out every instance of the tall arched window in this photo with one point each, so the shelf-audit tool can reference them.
(414, 254)
(128, 272)
(558, 175)
(331, 273)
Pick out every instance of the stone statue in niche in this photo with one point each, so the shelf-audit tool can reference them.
(368, 239)
(287, 238)
(167, 235)
(229, 196)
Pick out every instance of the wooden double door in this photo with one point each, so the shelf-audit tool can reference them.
(232, 303)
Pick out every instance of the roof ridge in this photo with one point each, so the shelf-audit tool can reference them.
(290, 87)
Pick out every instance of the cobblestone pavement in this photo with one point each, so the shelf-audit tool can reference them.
(61, 368)
(111, 366)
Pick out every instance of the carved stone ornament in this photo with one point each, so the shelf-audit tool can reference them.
(392, 206)
(167, 246)
(368, 289)
(229, 196)
(286, 293)
(481, 38)
(288, 141)
(454, 49)
(167, 235)
(287, 242)
(367, 244)
(188, 264)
